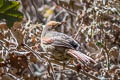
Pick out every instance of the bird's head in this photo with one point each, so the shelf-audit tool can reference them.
(52, 26)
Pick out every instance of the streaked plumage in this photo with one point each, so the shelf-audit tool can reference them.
(62, 46)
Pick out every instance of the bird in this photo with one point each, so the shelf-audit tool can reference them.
(62, 46)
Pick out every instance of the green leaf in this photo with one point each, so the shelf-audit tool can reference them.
(1, 3)
(9, 5)
(100, 44)
(14, 13)
(9, 12)
(11, 18)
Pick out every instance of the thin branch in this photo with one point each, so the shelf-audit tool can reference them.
(13, 37)
(4, 46)
(56, 62)
(77, 33)
(53, 75)
(13, 76)
(73, 68)
(59, 13)
(35, 53)
(40, 58)
(107, 55)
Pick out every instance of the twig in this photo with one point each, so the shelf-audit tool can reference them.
(40, 58)
(106, 50)
(56, 62)
(13, 76)
(13, 37)
(68, 10)
(73, 68)
(35, 53)
(4, 46)
(29, 67)
(59, 13)
(107, 55)
(78, 29)
(53, 75)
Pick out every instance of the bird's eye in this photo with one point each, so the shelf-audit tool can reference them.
(57, 26)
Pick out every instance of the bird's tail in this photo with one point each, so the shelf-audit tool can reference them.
(80, 56)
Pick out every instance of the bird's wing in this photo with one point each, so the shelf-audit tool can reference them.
(65, 42)
(60, 39)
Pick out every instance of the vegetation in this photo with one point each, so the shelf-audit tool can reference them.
(95, 24)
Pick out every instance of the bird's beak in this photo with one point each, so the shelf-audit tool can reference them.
(61, 23)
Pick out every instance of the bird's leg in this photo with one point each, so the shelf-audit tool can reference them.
(67, 60)
(64, 65)
(64, 61)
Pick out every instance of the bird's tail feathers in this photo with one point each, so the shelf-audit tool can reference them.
(80, 56)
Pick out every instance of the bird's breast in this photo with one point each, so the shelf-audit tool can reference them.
(58, 53)
(48, 48)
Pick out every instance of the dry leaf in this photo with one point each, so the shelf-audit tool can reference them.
(33, 39)
(3, 26)
(18, 35)
(114, 53)
(113, 68)
(17, 25)
(1, 36)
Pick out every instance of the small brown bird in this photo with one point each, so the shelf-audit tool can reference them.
(62, 46)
